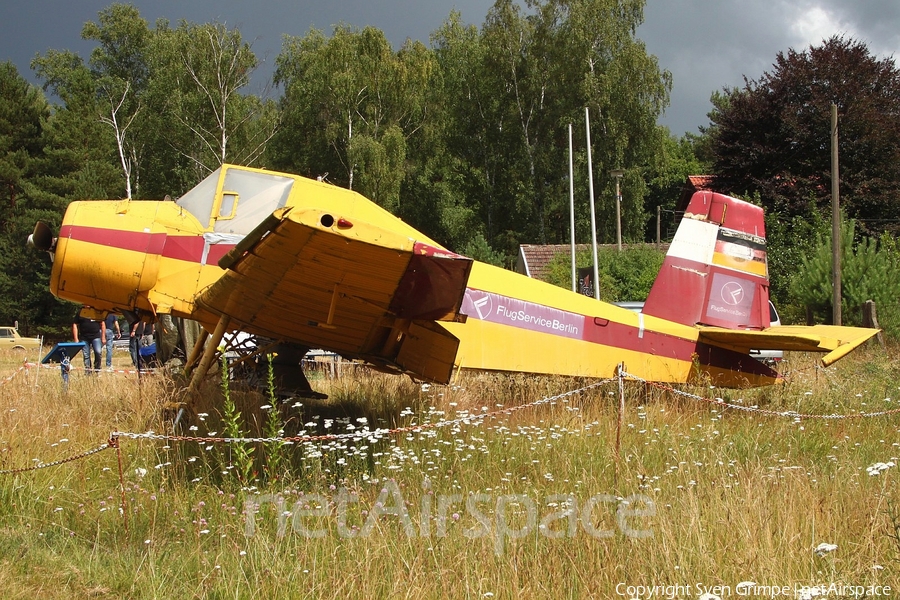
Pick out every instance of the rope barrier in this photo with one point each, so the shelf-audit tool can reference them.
(763, 411)
(24, 367)
(111, 443)
(366, 433)
(363, 433)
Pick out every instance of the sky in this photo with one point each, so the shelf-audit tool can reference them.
(707, 45)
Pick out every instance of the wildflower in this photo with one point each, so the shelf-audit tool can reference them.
(824, 548)
(878, 467)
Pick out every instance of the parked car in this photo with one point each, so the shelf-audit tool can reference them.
(10, 338)
(769, 357)
(122, 342)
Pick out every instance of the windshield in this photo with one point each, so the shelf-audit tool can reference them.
(247, 197)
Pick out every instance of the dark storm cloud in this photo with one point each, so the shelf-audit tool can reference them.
(706, 44)
(38, 26)
(709, 45)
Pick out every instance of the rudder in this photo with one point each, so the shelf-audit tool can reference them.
(716, 271)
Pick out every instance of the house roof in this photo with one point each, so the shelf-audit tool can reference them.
(694, 183)
(534, 259)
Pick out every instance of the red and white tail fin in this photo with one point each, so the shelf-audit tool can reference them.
(715, 272)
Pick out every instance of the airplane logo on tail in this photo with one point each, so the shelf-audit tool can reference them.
(732, 293)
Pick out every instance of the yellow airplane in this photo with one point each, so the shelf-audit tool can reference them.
(304, 262)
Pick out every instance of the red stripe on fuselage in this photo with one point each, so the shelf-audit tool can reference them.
(182, 247)
(609, 333)
(190, 248)
(137, 241)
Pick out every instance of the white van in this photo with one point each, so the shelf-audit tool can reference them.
(770, 357)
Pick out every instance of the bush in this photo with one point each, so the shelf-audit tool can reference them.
(626, 275)
(869, 271)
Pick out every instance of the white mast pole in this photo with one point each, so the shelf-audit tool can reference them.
(572, 210)
(587, 124)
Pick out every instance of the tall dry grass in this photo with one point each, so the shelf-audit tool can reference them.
(726, 496)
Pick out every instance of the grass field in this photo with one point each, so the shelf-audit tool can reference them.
(532, 503)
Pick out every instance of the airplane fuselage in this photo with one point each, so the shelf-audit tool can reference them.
(158, 257)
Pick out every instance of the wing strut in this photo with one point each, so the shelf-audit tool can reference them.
(196, 351)
(211, 346)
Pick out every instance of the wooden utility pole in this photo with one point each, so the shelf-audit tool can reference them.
(658, 223)
(617, 173)
(835, 221)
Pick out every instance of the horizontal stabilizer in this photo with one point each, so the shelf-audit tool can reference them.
(836, 341)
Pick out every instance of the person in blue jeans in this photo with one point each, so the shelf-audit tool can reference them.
(112, 325)
(93, 334)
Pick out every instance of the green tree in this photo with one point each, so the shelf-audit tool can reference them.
(210, 64)
(120, 70)
(350, 106)
(788, 241)
(163, 107)
(867, 273)
(97, 125)
(24, 273)
(512, 88)
(665, 174)
(81, 149)
(772, 137)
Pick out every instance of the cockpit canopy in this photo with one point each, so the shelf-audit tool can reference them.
(234, 200)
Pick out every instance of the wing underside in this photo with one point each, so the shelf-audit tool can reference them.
(833, 340)
(352, 288)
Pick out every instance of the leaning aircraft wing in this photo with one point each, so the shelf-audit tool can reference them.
(833, 340)
(312, 278)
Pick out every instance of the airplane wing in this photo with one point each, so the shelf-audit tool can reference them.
(365, 292)
(834, 340)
